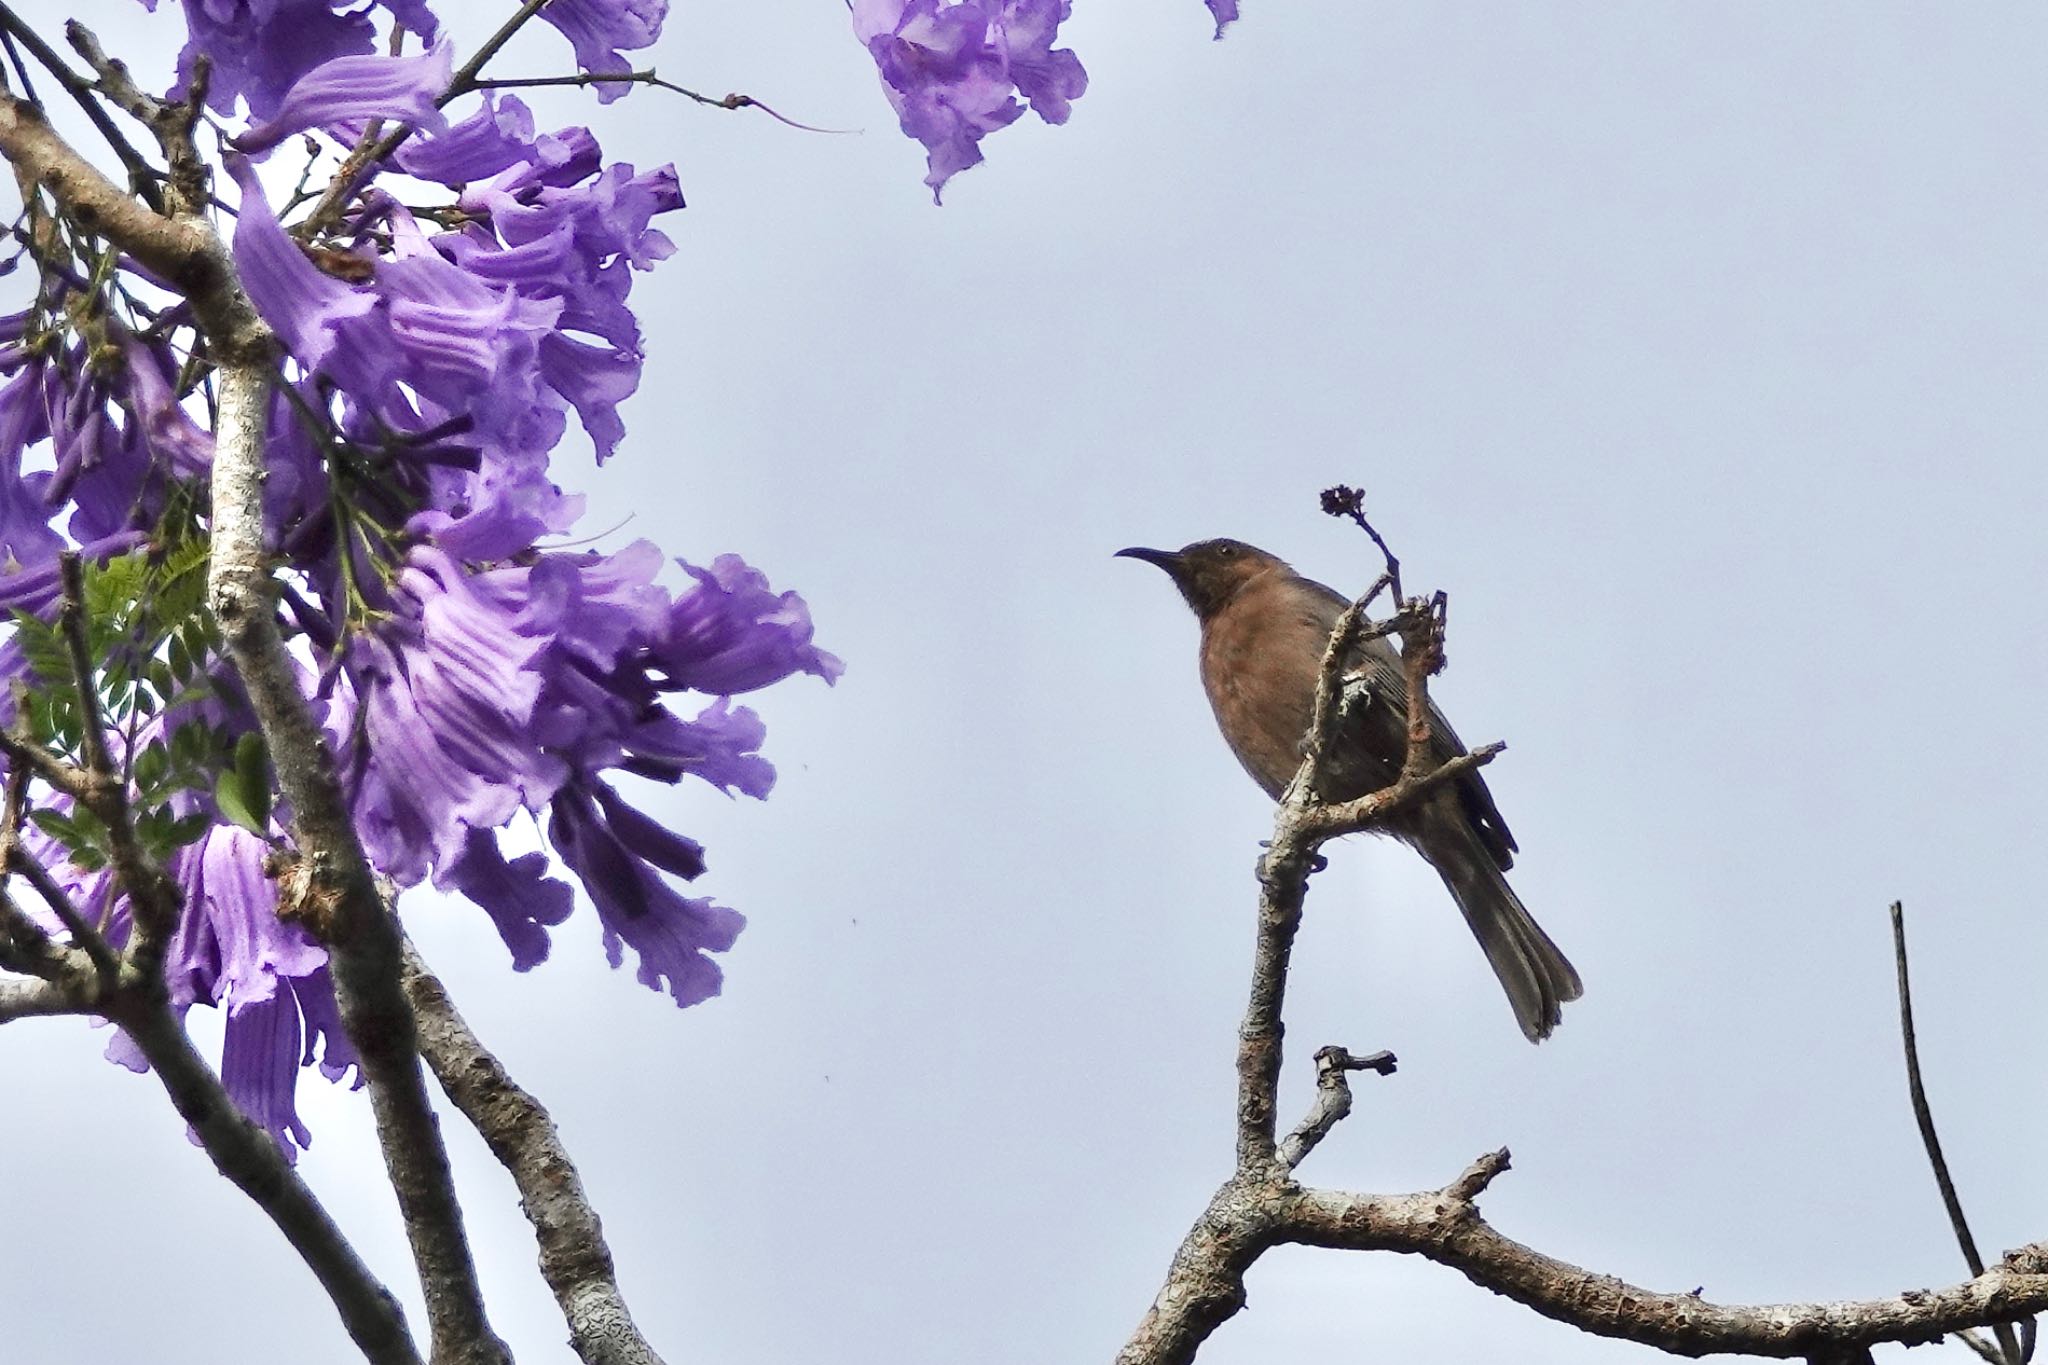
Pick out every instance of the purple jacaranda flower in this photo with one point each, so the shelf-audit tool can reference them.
(1225, 12)
(670, 933)
(230, 947)
(648, 840)
(267, 1044)
(952, 68)
(415, 803)
(720, 745)
(180, 444)
(521, 899)
(599, 29)
(306, 306)
(732, 633)
(259, 1067)
(259, 48)
(1050, 78)
(495, 137)
(361, 86)
(26, 537)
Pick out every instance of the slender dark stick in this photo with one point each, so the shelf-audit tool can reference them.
(142, 177)
(2008, 1342)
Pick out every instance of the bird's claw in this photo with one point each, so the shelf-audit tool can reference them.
(1316, 861)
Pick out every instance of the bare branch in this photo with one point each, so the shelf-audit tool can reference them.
(142, 176)
(574, 1259)
(170, 123)
(181, 251)
(648, 77)
(250, 1159)
(329, 886)
(1376, 808)
(1333, 1099)
(29, 999)
(32, 759)
(83, 932)
(71, 626)
(1982, 1347)
(1923, 1116)
(1445, 1226)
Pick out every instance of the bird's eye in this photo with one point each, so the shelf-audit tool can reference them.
(1226, 551)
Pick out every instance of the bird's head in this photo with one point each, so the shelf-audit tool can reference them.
(1209, 572)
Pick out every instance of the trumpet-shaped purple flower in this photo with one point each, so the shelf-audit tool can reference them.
(26, 538)
(670, 933)
(952, 70)
(344, 90)
(521, 899)
(1225, 12)
(497, 136)
(732, 634)
(599, 29)
(267, 1043)
(230, 947)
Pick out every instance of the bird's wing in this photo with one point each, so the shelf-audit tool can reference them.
(1387, 732)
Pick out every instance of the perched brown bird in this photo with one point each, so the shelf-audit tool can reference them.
(1264, 631)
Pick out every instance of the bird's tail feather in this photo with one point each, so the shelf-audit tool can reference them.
(1537, 977)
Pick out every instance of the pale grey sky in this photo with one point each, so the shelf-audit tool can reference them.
(1696, 350)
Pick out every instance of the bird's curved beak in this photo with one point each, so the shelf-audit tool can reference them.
(1165, 559)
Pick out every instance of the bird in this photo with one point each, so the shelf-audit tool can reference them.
(1265, 629)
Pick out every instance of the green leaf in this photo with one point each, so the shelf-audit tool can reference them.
(243, 791)
(152, 765)
(227, 794)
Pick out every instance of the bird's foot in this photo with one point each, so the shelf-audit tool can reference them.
(1316, 861)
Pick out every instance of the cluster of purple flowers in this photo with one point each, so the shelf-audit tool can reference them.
(953, 70)
(465, 671)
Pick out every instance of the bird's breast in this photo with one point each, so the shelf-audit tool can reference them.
(1260, 658)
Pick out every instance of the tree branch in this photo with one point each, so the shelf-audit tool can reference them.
(181, 251)
(1923, 1116)
(30, 999)
(250, 1159)
(329, 886)
(1333, 1099)
(574, 1259)
(1445, 1226)
(142, 176)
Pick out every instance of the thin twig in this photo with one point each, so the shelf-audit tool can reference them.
(71, 624)
(369, 152)
(171, 123)
(1333, 1099)
(1343, 500)
(142, 177)
(1923, 1116)
(83, 932)
(648, 77)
